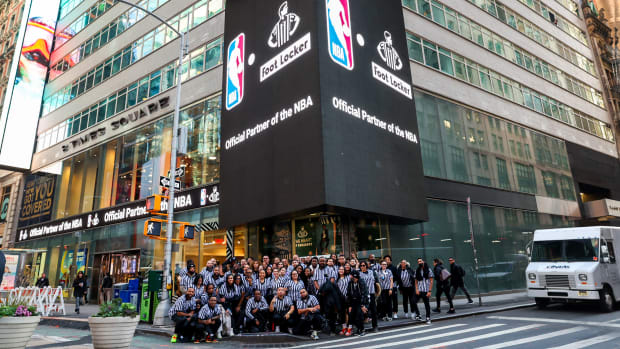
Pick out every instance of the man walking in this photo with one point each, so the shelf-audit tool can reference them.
(442, 280)
(457, 279)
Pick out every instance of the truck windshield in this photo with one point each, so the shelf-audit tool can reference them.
(581, 250)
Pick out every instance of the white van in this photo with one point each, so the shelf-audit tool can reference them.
(575, 264)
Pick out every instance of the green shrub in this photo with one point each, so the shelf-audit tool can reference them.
(116, 308)
(17, 309)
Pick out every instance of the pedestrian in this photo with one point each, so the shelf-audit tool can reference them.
(209, 321)
(231, 298)
(310, 318)
(257, 313)
(386, 280)
(357, 300)
(182, 314)
(107, 288)
(442, 280)
(423, 286)
(329, 299)
(394, 296)
(406, 283)
(79, 289)
(282, 309)
(457, 279)
(42, 282)
(370, 278)
(343, 285)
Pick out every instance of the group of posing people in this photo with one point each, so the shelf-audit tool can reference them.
(306, 296)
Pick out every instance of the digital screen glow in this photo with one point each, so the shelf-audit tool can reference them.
(28, 76)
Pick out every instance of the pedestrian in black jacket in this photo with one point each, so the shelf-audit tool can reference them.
(357, 298)
(42, 282)
(457, 279)
(329, 298)
(406, 285)
(79, 289)
(442, 280)
(394, 296)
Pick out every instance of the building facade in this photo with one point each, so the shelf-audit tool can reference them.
(510, 108)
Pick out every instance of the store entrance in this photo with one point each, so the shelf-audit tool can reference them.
(122, 266)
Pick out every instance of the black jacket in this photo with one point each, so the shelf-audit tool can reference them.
(329, 296)
(437, 272)
(107, 282)
(396, 275)
(458, 273)
(42, 282)
(398, 279)
(78, 291)
(363, 290)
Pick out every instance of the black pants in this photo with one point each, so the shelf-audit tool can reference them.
(386, 304)
(183, 327)
(427, 304)
(372, 310)
(209, 330)
(312, 322)
(280, 320)
(443, 287)
(343, 311)
(356, 316)
(331, 314)
(461, 285)
(394, 301)
(408, 298)
(262, 316)
(236, 317)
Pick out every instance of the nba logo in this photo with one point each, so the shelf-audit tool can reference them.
(235, 73)
(339, 32)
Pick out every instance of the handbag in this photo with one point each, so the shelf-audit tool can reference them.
(445, 274)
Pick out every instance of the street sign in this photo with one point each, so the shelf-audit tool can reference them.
(165, 182)
(178, 172)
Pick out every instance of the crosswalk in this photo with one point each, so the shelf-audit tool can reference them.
(492, 332)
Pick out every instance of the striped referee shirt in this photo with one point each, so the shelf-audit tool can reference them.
(323, 275)
(405, 277)
(282, 305)
(369, 279)
(266, 287)
(385, 279)
(208, 313)
(343, 284)
(217, 282)
(309, 302)
(294, 288)
(229, 293)
(187, 280)
(424, 286)
(182, 305)
(253, 304)
(280, 282)
(249, 289)
(206, 274)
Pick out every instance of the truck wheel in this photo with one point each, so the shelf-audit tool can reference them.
(606, 300)
(541, 303)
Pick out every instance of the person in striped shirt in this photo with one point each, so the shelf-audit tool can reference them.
(256, 313)
(386, 280)
(281, 309)
(322, 274)
(310, 318)
(343, 285)
(406, 283)
(188, 278)
(294, 285)
(423, 286)
(264, 285)
(182, 314)
(209, 320)
(231, 298)
(369, 278)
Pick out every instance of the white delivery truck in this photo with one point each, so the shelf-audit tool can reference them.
(574, 265)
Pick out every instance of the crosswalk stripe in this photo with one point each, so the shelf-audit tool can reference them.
(556, 321)
(483, 336)
(588, 342)
(419, 339)
(381, 333)
(409, 333)
(533, 339)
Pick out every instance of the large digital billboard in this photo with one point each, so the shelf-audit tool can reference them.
(319, 111)
(22, 104)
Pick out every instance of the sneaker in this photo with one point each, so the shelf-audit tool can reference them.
(218, 335)
(418, 318)
(361, 333)
(209, 339)
(277, 328)
(436, 310)
(470, 302)
(451, 311)
(196, 341)
(389, 319)
(314, 335)
(395, 316)
(406, 316)
(428, 320)
(343, 332)
(385, 318)
(375, 329)
(349, 332)
(290, 330)
(173, 339)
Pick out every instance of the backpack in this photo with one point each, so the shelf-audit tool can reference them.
(444, 275)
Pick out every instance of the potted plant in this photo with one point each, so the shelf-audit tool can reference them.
(17, 324)
(114, 325)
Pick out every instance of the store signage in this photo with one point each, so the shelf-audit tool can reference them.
(4, 209)
(183, 201)
(165, 182)
(37, 199)
(326, 115)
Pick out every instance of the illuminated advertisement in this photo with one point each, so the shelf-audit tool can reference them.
(28, 76)
(10, 272)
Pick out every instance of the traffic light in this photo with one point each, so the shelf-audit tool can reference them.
(152, 228)
(187, 231)
(153, 203)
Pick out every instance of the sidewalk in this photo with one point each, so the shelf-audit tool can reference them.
(490, 304)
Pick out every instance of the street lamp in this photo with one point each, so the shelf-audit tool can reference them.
(161, 313)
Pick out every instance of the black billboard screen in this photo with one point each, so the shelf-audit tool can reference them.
(318, 110)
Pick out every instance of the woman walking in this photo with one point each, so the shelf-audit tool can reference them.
(79, 289)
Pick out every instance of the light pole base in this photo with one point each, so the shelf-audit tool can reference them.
(161, 314)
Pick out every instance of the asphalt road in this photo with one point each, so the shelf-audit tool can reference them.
(566, 327)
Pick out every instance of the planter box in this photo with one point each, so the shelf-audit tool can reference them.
(15, 332)
(112, 332)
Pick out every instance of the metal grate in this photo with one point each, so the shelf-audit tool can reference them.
(557, 281)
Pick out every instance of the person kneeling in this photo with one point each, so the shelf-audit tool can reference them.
(209, 320)
(310, 317)
(256, 313)
(182, 313)
(282, 309)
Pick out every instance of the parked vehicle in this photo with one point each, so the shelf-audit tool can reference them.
(575, 265)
